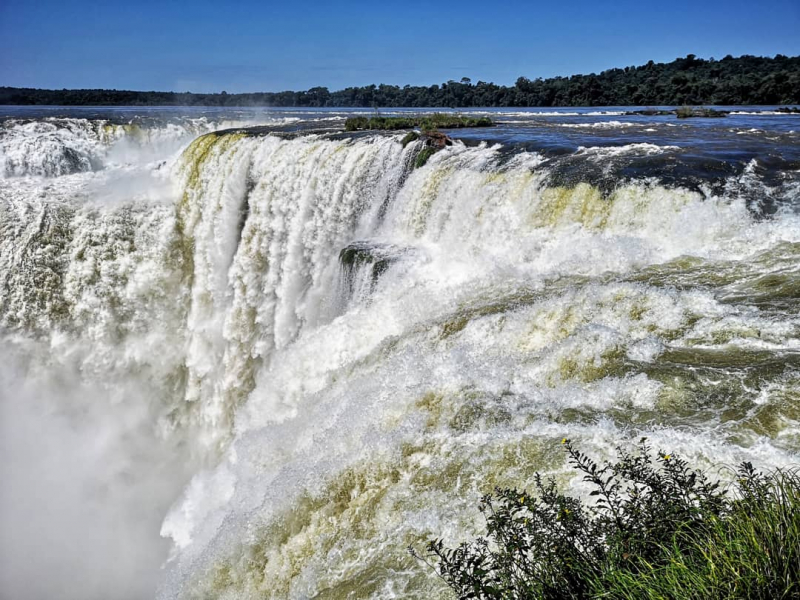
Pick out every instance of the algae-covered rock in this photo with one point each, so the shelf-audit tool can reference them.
(687, 112)
(433, 142)
(423, 156)
(649, 112)
(377, 257)
(411, 136)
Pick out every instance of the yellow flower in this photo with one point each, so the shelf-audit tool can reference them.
(522, 499)
(564, 441)
(667, 456)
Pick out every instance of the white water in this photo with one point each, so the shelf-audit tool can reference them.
(185, 331)
(605, 152)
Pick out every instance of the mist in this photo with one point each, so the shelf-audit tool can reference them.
(87, 480)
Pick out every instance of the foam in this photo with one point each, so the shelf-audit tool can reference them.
(335, 413)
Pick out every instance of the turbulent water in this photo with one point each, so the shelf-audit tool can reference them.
(292, 354)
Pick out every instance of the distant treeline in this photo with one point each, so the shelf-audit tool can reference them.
(684, 81)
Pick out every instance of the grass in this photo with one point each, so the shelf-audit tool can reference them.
(753, 552)
(429, 122)
(655, 530)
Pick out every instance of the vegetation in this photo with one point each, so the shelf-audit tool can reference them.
(424, 122)
(687, 112)
(684, 81)
(411, 136)
(433, 139)
(423, 156)
(656, 530)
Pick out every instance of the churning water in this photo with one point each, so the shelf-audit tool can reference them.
(292, 354)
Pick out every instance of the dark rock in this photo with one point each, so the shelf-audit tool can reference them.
(436, 139)
(688, 112)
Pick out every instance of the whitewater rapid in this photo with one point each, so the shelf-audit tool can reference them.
(296, 355)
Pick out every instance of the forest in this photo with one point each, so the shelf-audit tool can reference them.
(744, 80)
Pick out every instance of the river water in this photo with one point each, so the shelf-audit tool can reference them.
(246, 355)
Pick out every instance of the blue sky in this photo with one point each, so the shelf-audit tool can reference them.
(204, 46)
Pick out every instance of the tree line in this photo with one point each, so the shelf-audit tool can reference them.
(684, 81)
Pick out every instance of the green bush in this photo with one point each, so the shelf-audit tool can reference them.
(430, 122)
(655, 530)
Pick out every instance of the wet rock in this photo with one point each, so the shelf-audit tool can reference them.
(436, 139)
(688, 112)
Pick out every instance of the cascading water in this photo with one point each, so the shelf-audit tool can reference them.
(334, 354)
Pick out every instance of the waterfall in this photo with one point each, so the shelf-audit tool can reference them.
(336, 354)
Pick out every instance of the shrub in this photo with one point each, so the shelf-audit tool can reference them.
(656, 529)
(430, 122)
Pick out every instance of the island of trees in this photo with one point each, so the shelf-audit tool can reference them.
(685, 81)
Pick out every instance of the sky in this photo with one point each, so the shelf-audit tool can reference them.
(260, 45)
